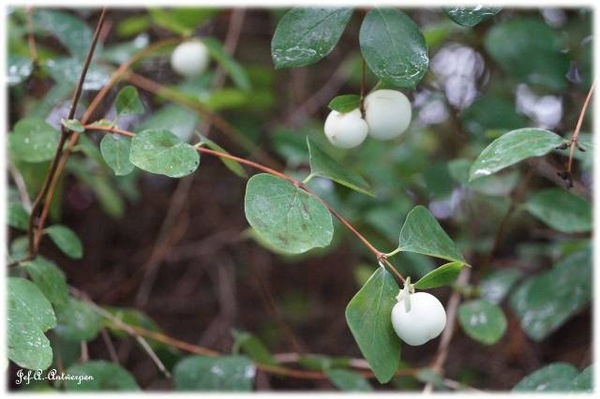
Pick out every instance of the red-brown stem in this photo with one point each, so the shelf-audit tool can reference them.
(30, 37)
(574, 142)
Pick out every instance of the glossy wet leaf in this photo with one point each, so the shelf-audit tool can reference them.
(286, 216)
(513, 147)
(77, 321)
(66, 240)
(345, 103)
(305, 35)
(393, 47)
(482, 321)
(443, 275)
(585, 380)
(128, 102)
(17, 216)
(555, 377)
(33, 140)
(235, 70)
(29, 314)
(106, 376)
(498, 283)
(69, 29)
(115, 150)
(369, 317)
(223, 373)
(252, 346)
(348, 380)
(161, 152)
(423, 234)
(497, 185)
(529, 50)
(323, 165)
(470, 16)
(73, 125)
(49, 278)
(561, 210)
(18, 69)
(545, 302)
(66, 71)
(230, 164)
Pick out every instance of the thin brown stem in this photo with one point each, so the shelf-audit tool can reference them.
(574, 140)
(362, 87)
(30, 36)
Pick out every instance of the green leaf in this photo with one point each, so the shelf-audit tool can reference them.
(235, 70)
(348, 380)
(443, 275)
(230, 164)
(491, 112)
(73, 124)
(181, 20)
(555, 377)
(161, 152)
(128, 102)
(286, 216)
(545, 302)
(33, 140)
(69, 29)
(529, 50)
(393, 47)
(66, 71)
(77, 321)
(29, 315)
(49, 278)
(345, 103)
(99, 375)
(66, 240)
(369, 317)
(496, 285)
(423, 234)
(470, 16)
(305, 35)
(115, 150)
(585, 380)
(323, 165)
(122, 52)
(18, 217)
(177, 119)
(224, 373)
(253, 347)
(18, 69)
(482, 321)
(514, 147)
(561, 210)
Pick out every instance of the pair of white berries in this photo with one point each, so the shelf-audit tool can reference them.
(387, 115)
(190, 59)
(417, 317)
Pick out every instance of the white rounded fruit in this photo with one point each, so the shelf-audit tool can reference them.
(346, 130)
(425, 319)
(388, 114)
(190, 59)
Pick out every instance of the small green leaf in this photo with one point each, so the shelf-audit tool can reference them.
(496, 285)
(18, 69)
(443, 275)
(73, 124)
(348, 380)
(393, 47)
(115, 150)
(305, 35)
(323, 165)
(423, 234)
(18, 217)
(253, 347)
(369, 317)
(470, 16)
(561, 210)
(286, 216)
(482, 321)
(77, 321)
(235, 70)
(99, 375)
(585, 380)
(555, 377)
(128, 102)
(33, 140)
(232, 165)
(345, 103)
(29, 315)
(224, 373)
(514, 147)
(66, 240)
(161, 152)
(49, 278)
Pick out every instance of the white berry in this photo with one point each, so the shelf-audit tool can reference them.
(346, 130)
(190, 59)
(388, 114)
(424, 320)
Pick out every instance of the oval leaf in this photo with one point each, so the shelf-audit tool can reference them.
(115, 150)
(99, 375)
(393, 47)
(348, 380)
(69, 29)
(73, 125)
(443, 275)
(514, 147)
(49, 278)
(224, 373)
(253, 347)
(496, 285)
(561, 210)
(482, 321)
(554, 377)
(161, 152)
(369, 317)
(470, 16)
(305, 35)
(230, 164)
(286, 216)
(66, 240)
(345, 103)
(18, 217)
(128, 102)
(423, 234)
(77, 321)
(33, 140)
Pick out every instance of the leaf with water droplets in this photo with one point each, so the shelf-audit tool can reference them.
(561, 210)
(69, 29)
(554, 377)
(482, 321)
(394, 47)
(223, 373)
(470, 16)
(18, 69)
(33, 140)
(513, 147)
(305, 35)
(77, 321)
(128, 102)
(115, 150)
(49, 278)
